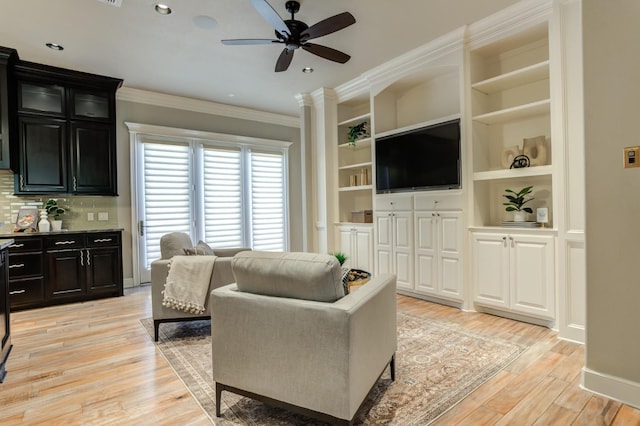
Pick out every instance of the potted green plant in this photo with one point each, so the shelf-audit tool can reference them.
(54, 210)
(341, 257)
(356, 133)
(516, 202)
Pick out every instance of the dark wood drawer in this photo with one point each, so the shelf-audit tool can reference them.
(26, 292)
(63, 242)
(23, 265)
(26, 244)
(103, 239)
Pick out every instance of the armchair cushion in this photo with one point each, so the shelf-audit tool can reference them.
(307, 276)
(202, 249)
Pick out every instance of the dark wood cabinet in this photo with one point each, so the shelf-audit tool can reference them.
(78, 266)
(7, 57)
(5, 322)
(67, 131)
(42, 156)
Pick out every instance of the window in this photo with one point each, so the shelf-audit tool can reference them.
(226, 194)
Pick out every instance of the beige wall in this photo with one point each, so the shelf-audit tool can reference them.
(612, 113)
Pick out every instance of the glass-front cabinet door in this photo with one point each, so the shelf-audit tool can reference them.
(92, 105)
(41, 98)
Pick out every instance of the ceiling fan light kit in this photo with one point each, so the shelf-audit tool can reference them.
(295, 34)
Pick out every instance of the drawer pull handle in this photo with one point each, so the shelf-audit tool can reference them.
(17, 292)
(102, 240)
(16, 245)
(62, 243)
(17, 265)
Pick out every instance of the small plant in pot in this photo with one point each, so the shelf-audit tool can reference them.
(356, 133)
(54, 211)
(516, 202)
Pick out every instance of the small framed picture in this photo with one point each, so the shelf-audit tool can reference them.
(27, 219)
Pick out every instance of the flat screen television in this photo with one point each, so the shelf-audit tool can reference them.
(421, 159)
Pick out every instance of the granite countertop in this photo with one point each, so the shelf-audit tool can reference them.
(4, 233)
(5, 243)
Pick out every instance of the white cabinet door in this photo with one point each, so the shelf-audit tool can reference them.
(402, 223)
(394, 246)
(384, 241)
(532, 274)
(426, 252)
(450, 242)
(362, 245)
(345, 237)
(490, 269)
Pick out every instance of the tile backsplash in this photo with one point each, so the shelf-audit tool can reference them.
(78, 208)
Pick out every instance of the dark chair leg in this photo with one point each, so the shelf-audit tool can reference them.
(156, 329)
(392, 367)
(219, 389)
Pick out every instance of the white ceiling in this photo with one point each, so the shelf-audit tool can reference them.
(171, 54)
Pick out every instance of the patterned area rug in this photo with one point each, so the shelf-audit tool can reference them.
(437, 365)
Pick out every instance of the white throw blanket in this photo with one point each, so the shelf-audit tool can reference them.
(187, 283)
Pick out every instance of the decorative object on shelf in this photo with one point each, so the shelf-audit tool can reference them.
(364, 176)
(26, 220)
(357, 132)
(520, 161)
(536, 150)
(523, 224)
(54, 210)
(542, 215)
(353, 180)
(516, 202)
(509, 154)
(362, 216)
(44, 225)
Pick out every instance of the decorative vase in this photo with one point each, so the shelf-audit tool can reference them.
(43, 223)
(509, 154)
(536, 150)
(519, 216)
(56, 225)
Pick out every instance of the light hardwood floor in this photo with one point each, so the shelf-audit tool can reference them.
(93, 363)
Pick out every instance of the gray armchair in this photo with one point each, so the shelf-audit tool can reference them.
(174, 244)
(285, 334)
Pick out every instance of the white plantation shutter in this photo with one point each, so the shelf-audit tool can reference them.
(268, 205)
(222, 192)
(166, 193)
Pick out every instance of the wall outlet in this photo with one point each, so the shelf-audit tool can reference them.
(103, 216)
(91, 216)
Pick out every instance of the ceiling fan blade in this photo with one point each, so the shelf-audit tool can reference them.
(284, 60)
(326, 52)
(271, 16)
(248, 41)
(328, 26)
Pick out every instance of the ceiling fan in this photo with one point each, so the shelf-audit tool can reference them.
(294, 34)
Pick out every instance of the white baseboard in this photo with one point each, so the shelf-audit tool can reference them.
(623, 390)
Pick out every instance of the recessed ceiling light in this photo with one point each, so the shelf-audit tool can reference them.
(231, 95)
(307, 70)
(163, 9)
(55, 46)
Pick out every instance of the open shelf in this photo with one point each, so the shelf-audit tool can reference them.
(526, 75)
(360, 144)
(513, 173)
(355, 188)
(355, 120)
(515, 113)
(356, 166)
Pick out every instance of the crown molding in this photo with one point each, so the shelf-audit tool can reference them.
(510, 20)
(131, 94)
(304, 100)
(357, 87)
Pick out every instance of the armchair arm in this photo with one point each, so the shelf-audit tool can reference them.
(321, 356)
